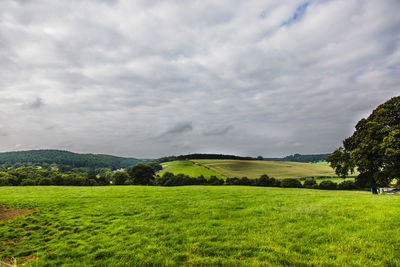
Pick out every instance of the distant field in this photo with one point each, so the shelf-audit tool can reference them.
(277, 169)
(199, 226)
(189, 168)
(335, 180)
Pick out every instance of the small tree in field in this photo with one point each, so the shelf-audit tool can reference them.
(310, 183)
(142, 174)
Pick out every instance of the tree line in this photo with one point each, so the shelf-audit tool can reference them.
(74, 160)
(142, 174)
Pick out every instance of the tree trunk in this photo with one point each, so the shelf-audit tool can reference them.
(374, 190)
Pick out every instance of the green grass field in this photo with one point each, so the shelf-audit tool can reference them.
(335, 180)
(276, 169)
(189, 168)
(200, 225)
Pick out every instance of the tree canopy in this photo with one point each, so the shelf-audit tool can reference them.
(141, 174)
(67, 158)
(373, 149)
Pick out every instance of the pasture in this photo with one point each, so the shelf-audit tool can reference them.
(276, 169)
(199, 225)
(189, 168)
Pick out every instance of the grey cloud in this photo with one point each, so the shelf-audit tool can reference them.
(180, 128)
(3, 133)
(179, 135)
(36, 104)
(218, 131)
(133, 77)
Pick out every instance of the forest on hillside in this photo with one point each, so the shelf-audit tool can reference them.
(74, 160)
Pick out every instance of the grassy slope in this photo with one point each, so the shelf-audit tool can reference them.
(200, 225)
(277, 169)
(189, 168)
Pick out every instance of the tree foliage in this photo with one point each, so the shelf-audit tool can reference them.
(69, 159)
(141, 174)
(374, 148)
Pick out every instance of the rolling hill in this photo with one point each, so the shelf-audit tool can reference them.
(248, 168)
(188, 168)
(277, 169)
(75, 160)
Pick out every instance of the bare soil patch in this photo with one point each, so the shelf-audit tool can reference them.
(6, 214)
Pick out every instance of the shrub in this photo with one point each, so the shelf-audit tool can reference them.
(347, 185)
(265, 180)
(215, 181)
(201, 180)
(141, 174)
(4, 182)
(13, 180)
(327, 185)
(232, 181)
(276, 182)
(57, 179)
(44, 181)
(291, 183)
(309, 183)
(244, 181)
(119, 177)
(28, 182)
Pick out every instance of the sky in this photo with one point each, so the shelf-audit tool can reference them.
(151, 78)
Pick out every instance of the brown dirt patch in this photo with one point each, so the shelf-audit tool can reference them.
(9, 261)
(30, 258)
(6, 214)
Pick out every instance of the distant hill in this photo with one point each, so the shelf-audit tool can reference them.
(212, 156)
(294, 158)
(66, 158)
(301, 158)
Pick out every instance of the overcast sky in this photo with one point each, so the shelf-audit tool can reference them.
(153, 78)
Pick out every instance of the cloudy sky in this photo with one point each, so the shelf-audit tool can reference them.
(152, 78)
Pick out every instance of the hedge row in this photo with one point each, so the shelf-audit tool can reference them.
(169, 179)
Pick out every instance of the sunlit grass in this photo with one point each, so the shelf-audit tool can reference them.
(200, 225)
(188, 168)
(276, 169)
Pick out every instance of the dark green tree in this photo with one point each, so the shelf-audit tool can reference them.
(142, 174)
(291, 183)
(119, 177)
(310, 183)
(373, 149)
(328, 185)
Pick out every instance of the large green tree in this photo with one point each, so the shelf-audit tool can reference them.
(141, 174)
(373, 149)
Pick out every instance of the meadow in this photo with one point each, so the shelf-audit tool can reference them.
(189, 168)
(276, 169)
(199, 225)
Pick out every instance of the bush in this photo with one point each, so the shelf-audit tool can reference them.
(13, 180)
(141, 174)
(119, 177)
(265, 180)
(201, 180)
(245, 181)
(347, 185)
(291, 183)
(4, 182)
(215, 181)
(28, 182)
(309, 183)
(232, 181)
(44, 181)
(327, 185)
